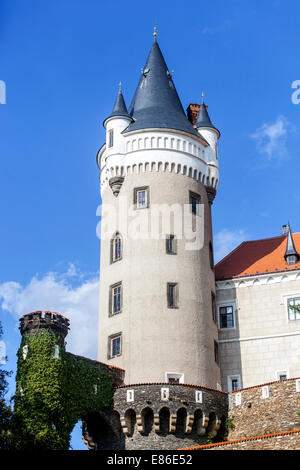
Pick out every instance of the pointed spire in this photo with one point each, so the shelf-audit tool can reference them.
(203, 117)
(120, 108)
(156, 103)
(290, 247)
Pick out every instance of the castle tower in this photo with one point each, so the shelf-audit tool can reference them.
(158, 175)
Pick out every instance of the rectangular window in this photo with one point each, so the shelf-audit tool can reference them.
(172, 293)
(171, 245)
(114, 345)
(282, 375)
(213, 307)
(115, 304)
(216, 352)
(141, 198)
(233, 383)
(226, 317)
(293, 314)
(174, 378)
(194, 201)
(111, 138)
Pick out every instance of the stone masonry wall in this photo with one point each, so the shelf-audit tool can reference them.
(265, 409)
(151, 421)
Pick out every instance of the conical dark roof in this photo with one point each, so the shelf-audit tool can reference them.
(120, 108)
(290, 247)
(156, 103)
(204, 119)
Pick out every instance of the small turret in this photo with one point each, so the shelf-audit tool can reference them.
(291, 255)
(32, 322)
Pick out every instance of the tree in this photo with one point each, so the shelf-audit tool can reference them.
(5, 410)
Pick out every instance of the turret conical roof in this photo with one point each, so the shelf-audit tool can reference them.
(290, 247)
(156, 103)
(204, 119)
(120, 108)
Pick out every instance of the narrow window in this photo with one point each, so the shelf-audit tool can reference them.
(115, 306)
(213, 307)
(130, 395)
(194, 201)
(171, 245)
(211, 256)
(292, 312)
(141, 198)
(111, 138)
(234, 384)
(116, 248)
(172, 293)
(216, 352)
(114, 345)
(226, 316)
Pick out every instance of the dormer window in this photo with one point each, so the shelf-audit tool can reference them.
(111, 138)
(291, 259)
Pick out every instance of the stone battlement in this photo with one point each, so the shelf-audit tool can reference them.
(31, 322)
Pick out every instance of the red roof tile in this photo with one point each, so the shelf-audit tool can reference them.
(257, 257)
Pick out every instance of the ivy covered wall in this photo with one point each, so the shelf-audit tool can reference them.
(54, 389)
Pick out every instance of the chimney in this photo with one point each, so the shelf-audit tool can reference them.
(193, 112)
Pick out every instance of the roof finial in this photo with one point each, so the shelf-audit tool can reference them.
(120, 87)
(202, 97)
(155, 32)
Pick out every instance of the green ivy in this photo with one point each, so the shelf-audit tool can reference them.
(53, 394)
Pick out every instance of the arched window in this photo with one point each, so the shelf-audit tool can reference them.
(116, 247)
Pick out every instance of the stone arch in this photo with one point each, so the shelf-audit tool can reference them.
(222, 431)
(197, 424)
(147, 420)
(181, 421)
(130, 420)
(213, 424)
(184, 169)
(147, 166)
(98, 428)
(191, 172)
(159, 166)
(166, 166)
(164, 420)
(153, 165)
(116, 424)
(172, 167)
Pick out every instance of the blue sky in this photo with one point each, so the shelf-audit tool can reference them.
(61, 61)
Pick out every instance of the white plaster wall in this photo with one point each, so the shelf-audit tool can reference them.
(264, 340)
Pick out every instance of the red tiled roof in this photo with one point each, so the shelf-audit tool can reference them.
(257, 257)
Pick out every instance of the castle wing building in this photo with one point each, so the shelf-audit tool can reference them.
(257, 286)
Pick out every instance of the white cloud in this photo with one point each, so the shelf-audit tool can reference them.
(226, 240)
(56, 292)
(271, 139)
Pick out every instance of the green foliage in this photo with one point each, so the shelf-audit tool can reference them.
(5, 410)
(52, 394)
(229, 423)
(210, 438)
